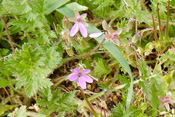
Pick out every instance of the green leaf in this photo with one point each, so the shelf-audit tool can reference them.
(6, 108)
(76, 6)
(4, 82)
(110, 47)
(16, 7)
(59, 102)
(33, 64)
(21, 112)
(146, 71)
(101, 68)
(118, 111)
(51, 5)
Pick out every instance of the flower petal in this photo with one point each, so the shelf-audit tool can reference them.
(86, 71)
(110, 31)
(74, 29)
(76, 70)
(87, 78)
(115, 41)
(118, 31)
(73, 19)
(107, 36)
(167, 106)
(76, 13)
(81, 83)
(83, 16)
(73, 77)
(94, 35)
(83, 30)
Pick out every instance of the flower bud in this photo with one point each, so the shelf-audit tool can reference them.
(130, 23)
(69, 39)
(136, 37)
(69, 51)
(65, 23)
(83, 43)
(104, 25)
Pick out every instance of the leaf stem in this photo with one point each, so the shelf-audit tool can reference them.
(11, 44)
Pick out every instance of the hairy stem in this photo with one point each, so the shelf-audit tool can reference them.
(160, 26)
(86, 100)
(11, 44)
(167, 21)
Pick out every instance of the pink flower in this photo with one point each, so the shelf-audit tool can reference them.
(81, 77)
(113, 35)
(165, 101)
(79, 24)
(104, 90)
(109, 35)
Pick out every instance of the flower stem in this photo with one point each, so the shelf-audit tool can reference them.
(167, 21)
(160, 26)
(155, 33)
(11, 44)
(86, 100)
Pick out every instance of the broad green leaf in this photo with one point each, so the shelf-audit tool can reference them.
(51, 5)
(16, 7)
(110, 47)
(76, 6)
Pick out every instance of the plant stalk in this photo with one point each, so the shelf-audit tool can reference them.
(155, 33)
(11, 44)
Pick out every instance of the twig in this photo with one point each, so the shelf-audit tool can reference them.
(11, 44)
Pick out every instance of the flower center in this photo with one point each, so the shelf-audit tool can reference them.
(114, 36)
(79, 20)
(79, 74)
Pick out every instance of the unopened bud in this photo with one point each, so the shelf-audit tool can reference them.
(69, 38)
(83, 43)
(65, 23)
(136, 37)
(69, 51)
(104, 25)
(130, 23)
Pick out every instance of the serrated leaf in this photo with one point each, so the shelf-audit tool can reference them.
(32, 66)
(4, 82)
(118, 111)
(101, 68)
(146, 71)
(59, 102)
(21, 112)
